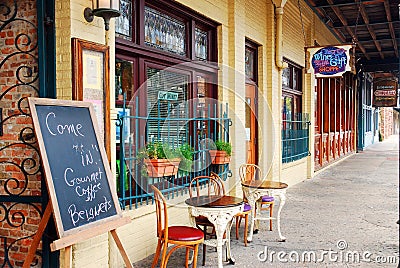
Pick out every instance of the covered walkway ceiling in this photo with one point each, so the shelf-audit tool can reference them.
(372, 24)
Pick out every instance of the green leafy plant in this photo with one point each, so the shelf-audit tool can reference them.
(156, 150)
(223, 146)
(186, 153)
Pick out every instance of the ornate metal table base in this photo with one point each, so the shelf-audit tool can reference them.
(253, 195)
(221, 218)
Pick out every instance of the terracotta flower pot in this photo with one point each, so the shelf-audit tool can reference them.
(162, 167)
(219, 157)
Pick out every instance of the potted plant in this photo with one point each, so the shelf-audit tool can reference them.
(185, 152)
(159, 159)
(220, 152)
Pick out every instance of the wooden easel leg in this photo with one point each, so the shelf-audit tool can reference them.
(68, 257)
(38, 236)
(121, 249)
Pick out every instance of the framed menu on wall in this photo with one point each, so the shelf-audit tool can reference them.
(90, 82)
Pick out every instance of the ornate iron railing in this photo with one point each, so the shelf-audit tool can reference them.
(20, 170)
(193, 124)
(295, 138)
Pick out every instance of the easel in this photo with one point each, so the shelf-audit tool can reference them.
(102, 196)
(68, 241)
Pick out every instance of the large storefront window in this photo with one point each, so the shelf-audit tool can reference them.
(166, 99)
(291, 92)
(295, 124)
(124, 82)
(166, 92)
(165, 33)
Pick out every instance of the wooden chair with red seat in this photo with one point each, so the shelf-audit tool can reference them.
(214, 187)
(250, 172)
(180, 236)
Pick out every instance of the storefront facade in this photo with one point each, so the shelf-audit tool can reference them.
(368, 116)
(247, 56)
(335, 116)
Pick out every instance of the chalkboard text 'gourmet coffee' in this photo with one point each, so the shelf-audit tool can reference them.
(77, 172)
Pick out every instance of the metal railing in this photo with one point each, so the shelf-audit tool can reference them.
(194, 124)
(295, 138)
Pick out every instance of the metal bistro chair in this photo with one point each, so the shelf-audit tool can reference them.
(214, 187)
(180, 236)
(250, 172)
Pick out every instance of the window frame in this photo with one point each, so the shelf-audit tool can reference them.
(192, 21)
(295, 93)
(253, 48)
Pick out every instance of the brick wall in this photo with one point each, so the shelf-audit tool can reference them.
(386, 122)
(19, 160)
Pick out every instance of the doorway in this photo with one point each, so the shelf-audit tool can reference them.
(251, 124)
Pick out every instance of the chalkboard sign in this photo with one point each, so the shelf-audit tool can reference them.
(78, 176)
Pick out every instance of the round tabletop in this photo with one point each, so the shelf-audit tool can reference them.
(264, 184)
(214, 201)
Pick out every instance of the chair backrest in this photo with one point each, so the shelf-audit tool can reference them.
(220, 181)
(213, 182)
(250, 172)
(216, 176)
(161, 213)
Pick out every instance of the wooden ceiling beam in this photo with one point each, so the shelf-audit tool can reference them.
(377, 39)
(364, 2)
(348, 29)
(391, 28)
(371, 30)
(321, 14)
(364, 24)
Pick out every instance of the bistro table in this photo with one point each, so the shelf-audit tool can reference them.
(254, 190)
(220, 211)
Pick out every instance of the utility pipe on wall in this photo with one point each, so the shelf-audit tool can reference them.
(278, 38)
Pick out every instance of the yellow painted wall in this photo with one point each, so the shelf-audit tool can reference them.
(260, 29)
(302, 28)
(295, 172)
(70, 23)
(63, 49)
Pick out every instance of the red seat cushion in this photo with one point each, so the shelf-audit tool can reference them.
(184, 233)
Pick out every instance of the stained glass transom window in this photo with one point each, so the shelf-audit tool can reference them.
(249, 63)
(164, 32)
(201, 44)
(123, 26)
(286, 77)
(291, 77)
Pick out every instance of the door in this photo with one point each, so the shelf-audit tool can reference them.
(251, 124)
